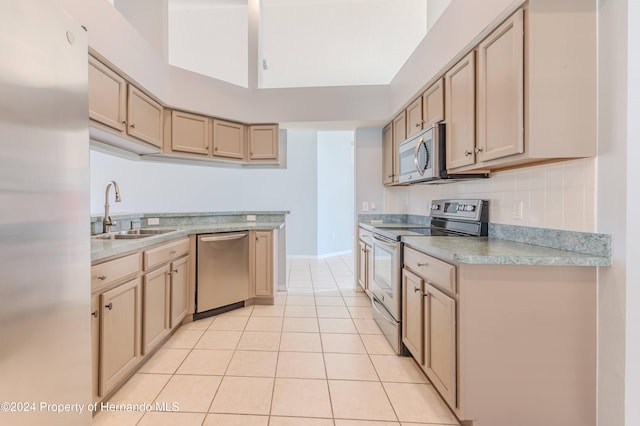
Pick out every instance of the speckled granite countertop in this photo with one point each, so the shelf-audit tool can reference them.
(181, 225)
(102, 249)
(492, 251)
(506, 245)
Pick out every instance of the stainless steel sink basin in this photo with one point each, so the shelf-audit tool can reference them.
(131, 234)
(147, 232)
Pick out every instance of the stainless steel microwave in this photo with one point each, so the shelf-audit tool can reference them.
(422, 158)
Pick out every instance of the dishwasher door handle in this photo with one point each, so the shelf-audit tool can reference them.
(227, 237)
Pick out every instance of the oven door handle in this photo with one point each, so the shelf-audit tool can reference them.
(386, 244)
(388, 318)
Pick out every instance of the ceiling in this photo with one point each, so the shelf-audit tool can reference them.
(300, 43)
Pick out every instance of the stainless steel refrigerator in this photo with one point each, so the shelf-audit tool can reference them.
(45, 335)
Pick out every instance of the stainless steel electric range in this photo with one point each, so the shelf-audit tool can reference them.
(449, 218)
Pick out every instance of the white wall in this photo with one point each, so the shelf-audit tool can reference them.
(159, 187)
(368, 169)
(149, 17)
(558, 196)
(335, 192)
(210, 38)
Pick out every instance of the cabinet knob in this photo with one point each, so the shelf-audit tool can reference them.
(417, 290)
(467, 153)
(102, 277)
(124, 122)
(422, 264)
(477, 150)
(94, 314)
(109, 306)
(133, 125)
(215, 149)
(172, 252)
(175, 271)
(207, 148)
(418, 124)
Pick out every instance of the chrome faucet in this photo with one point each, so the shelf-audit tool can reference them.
(107, 222)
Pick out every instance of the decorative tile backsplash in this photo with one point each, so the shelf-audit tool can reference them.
(557, 196)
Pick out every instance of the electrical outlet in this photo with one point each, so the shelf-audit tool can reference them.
(373, 205)
(153, 221)
(251, 218)
(365, 206)
(517, 210)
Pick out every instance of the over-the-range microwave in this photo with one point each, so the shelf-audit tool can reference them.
(422, 158)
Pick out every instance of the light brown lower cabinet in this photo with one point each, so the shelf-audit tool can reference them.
(364, 264)
(263, 264)
(120, 330)
(498, 342)
(179, 290)
(156, 294)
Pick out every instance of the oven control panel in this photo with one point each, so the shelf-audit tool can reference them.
(476, 210)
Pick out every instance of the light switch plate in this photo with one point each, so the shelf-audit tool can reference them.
(153, 221)
(251, 218)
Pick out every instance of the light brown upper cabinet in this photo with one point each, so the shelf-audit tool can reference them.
(263, 142)
(399, 129)
(414, 118)
(144, 117)
(122, 107)
(433, 104)
(229, 139)
(190, 133)
(500, 103)
(389, 168)
(107, 96)
(460, 95)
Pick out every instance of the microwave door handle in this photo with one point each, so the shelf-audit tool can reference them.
(415, 155)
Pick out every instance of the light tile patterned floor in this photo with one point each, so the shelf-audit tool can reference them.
(314, 358)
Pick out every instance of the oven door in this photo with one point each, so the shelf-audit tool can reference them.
(386, 274)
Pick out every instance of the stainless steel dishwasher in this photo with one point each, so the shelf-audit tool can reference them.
(222, 282)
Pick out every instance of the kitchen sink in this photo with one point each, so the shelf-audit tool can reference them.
(131, 234)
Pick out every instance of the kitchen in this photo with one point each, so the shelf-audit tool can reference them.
(616, 128)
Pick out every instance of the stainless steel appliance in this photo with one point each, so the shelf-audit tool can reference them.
(45, 354)
(422, 158)
(222, 281)
(449, 218)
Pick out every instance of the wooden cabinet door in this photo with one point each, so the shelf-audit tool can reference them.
(228, 139)
(399, 130)
(190, 133)
(179, 290)
(263, 268)
(263, 142)
(95, 346)
(120, 312)
(460, 91)
(362, 265)
(155, 319)
(433, 104)
(388, 155)
(413, 315)
(107, 96)
(144, 117)
(414, 117)
(501, 91)
(440, 342)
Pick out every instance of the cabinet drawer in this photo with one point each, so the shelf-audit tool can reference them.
(163, 254)
(433, 271)
(365, 236)
(114, 270)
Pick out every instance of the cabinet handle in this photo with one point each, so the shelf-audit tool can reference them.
(478, 150)
(94, 314)
(124, 122)
(172, 252)
(417, 290)
(109, 306)
(215, 148)
(207, 148)
(102, 277)
(467, 153)
(418, 124)
(175, 271)
(133, 125)
(422, 264)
